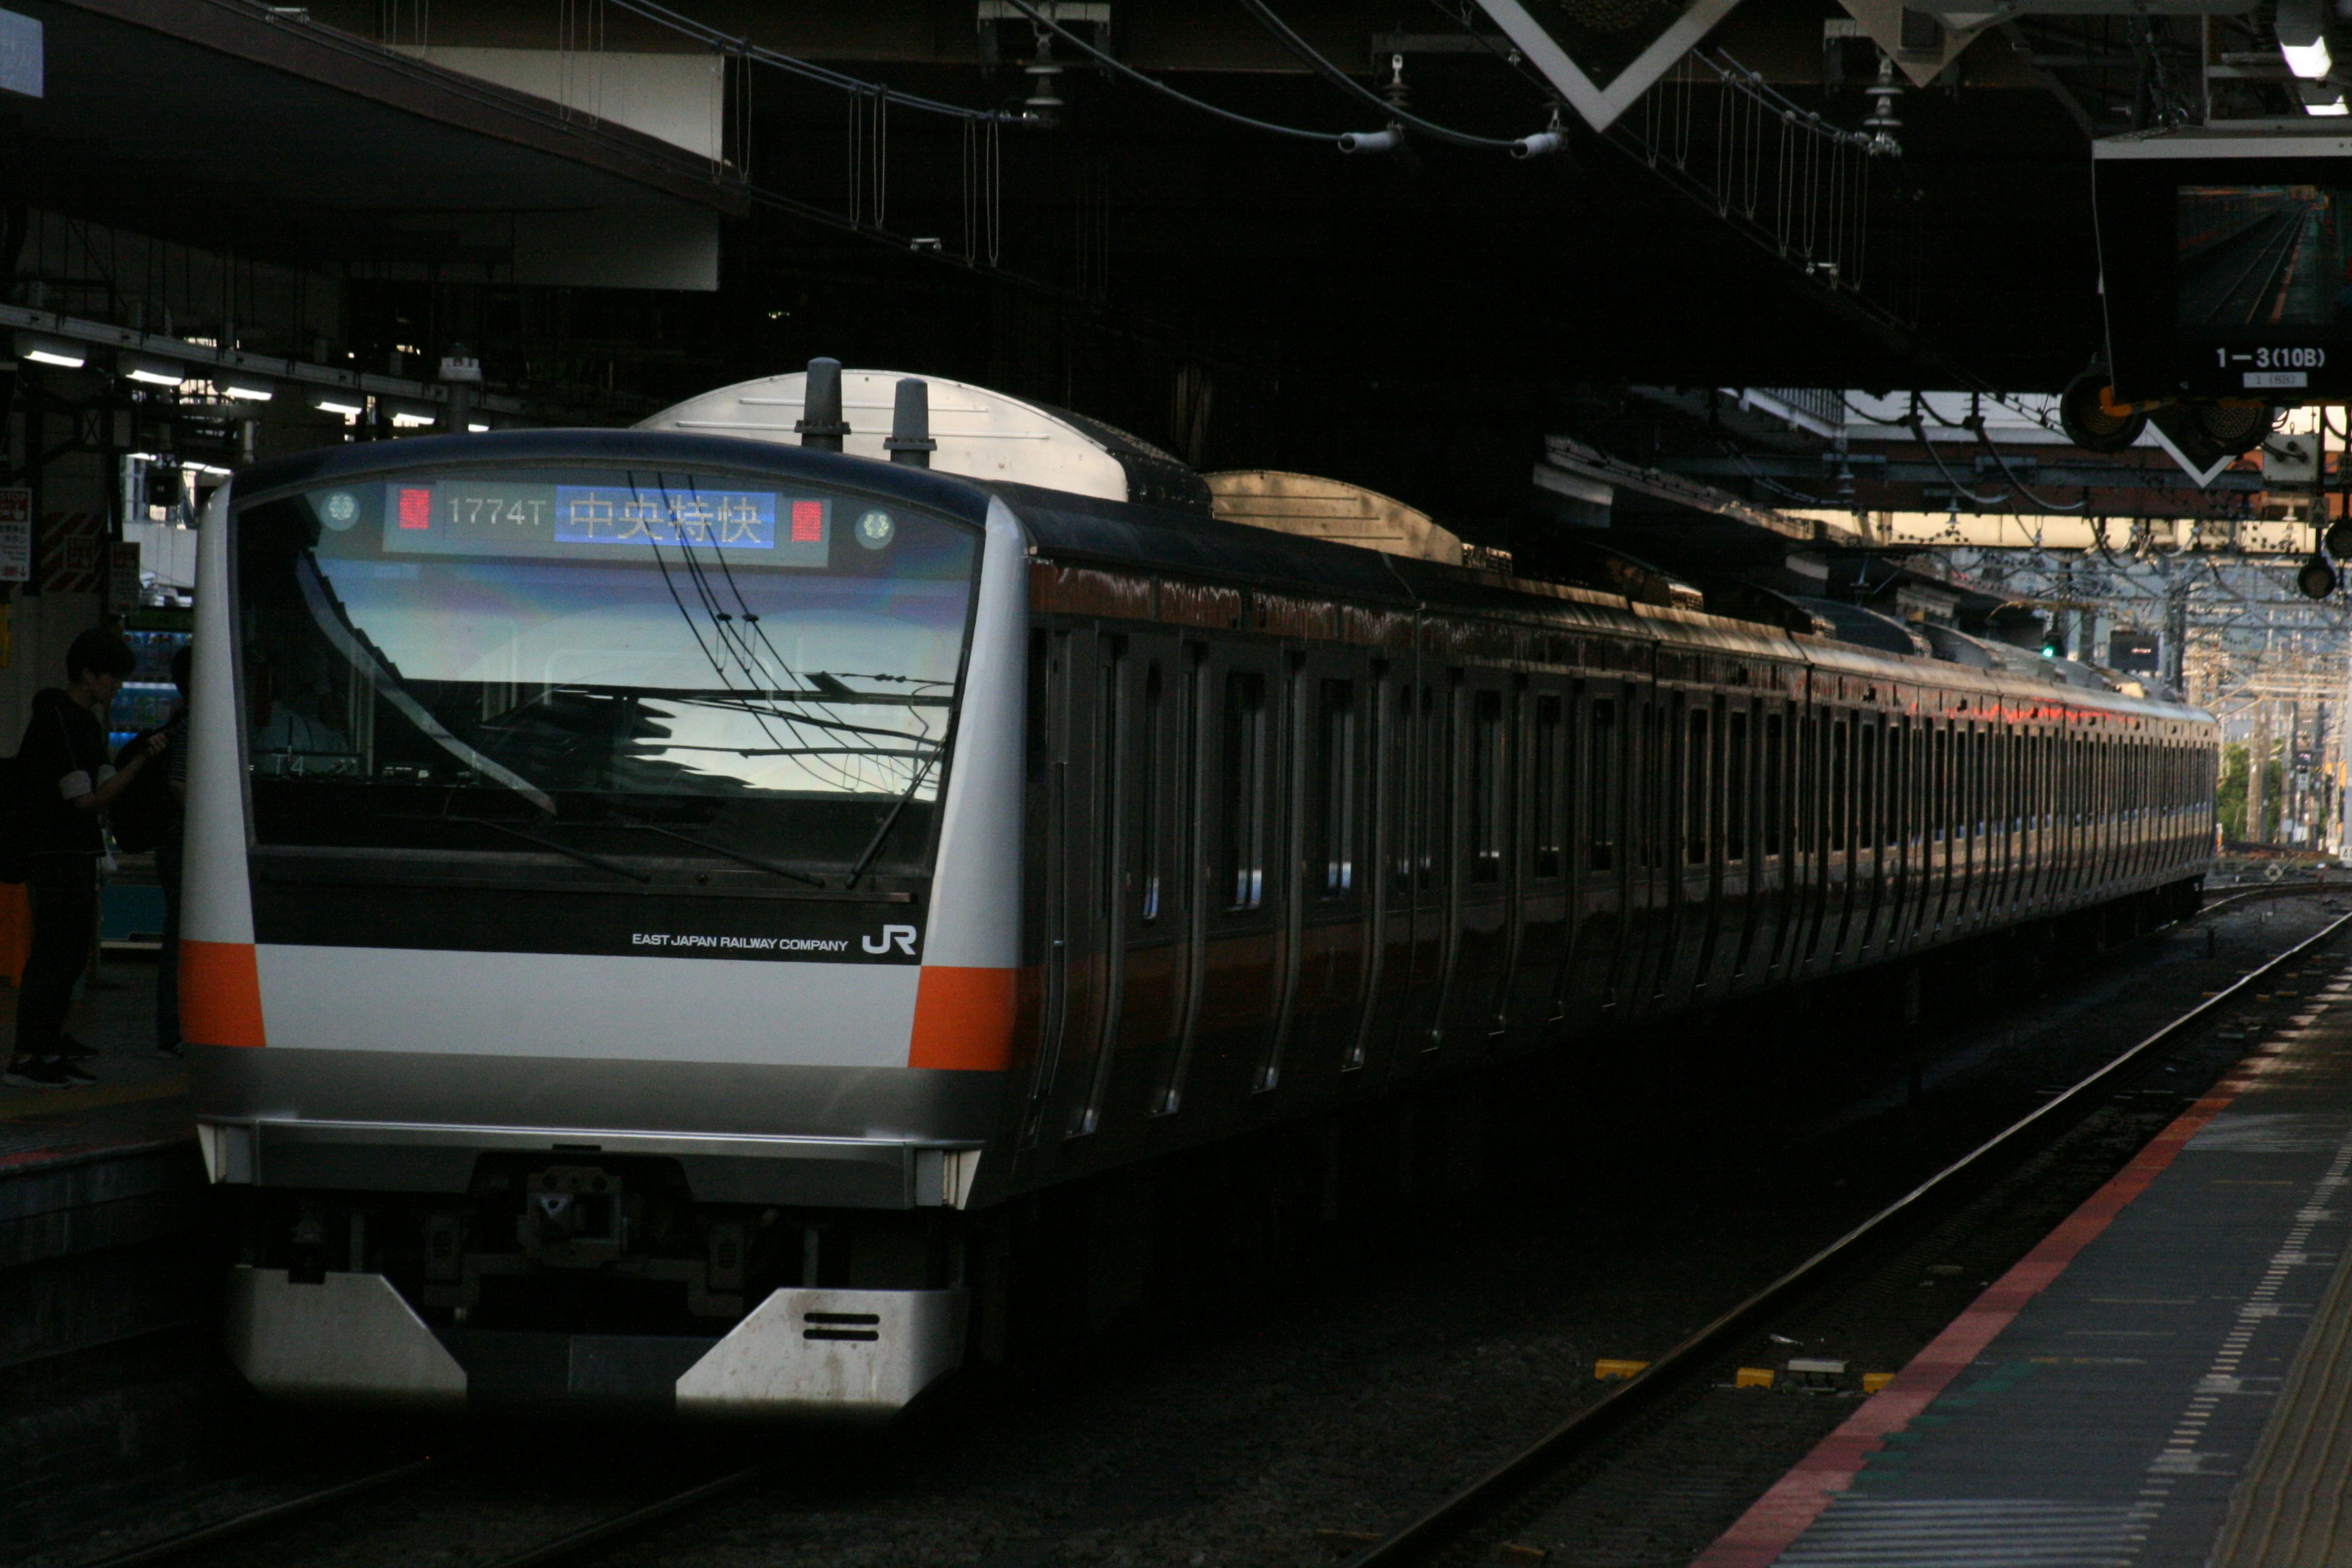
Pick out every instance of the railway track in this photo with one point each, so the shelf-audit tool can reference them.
(2262, 271)
(1462, 1522)
(507, 1507)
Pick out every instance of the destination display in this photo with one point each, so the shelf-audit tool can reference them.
(2226, 266)
(490, 516)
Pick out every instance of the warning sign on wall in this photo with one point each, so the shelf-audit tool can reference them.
(73, 552)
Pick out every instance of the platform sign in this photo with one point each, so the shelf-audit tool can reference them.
(16, 534)
(2226, 263)
(1602, 55)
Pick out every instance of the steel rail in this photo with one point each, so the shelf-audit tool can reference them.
(1450, 1521)
(229, 1529)
(597, 1534)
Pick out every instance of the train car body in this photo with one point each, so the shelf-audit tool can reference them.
(648, 891)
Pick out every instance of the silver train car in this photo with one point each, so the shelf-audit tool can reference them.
(652, 895)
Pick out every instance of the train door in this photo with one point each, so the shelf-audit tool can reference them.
(1968, 836)
(1837, 833)
(1068, 671)
(1679, 830)
(1317, 1032)
(1601, 910)
(1396, 784)
(1699, 883)
(1485, 872)
(1182, 906)
(1149, 811)
(1547, 862)
(1738, 896)
(1894, 927)
(1771, 879)
(1651, 826)
(1868, 861)
(1432, 864)
(1243, 958)
(1811, 870)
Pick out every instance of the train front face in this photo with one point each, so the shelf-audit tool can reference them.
(601, 905)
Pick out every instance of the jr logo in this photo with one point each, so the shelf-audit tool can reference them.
(900, 937)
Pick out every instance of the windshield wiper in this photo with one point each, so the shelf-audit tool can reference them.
(890, 818)
(723, 851)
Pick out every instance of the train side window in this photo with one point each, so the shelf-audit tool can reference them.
(1775, 783)
(1241, 861)
(1600, 779)
(1734, 784)
(1335, 796)
(1545, 857)
(1489, 769)
(1695, 793)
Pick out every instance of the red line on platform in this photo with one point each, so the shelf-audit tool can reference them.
(1772, 1525)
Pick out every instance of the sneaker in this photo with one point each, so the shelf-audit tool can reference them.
(27, 1072)
(69, 1073)
(73, 1051)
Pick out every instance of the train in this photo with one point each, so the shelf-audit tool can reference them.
(652, 895)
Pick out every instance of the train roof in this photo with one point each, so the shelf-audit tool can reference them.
(1082, 528)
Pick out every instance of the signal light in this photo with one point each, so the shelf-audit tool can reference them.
(2338, 538)
(2317, 578)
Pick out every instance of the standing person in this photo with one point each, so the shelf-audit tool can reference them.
(63, 782)
(168, 862)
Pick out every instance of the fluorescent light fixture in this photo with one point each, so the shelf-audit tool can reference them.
(2310, 61)
(42, 348)
(338, 402)
(150, 371)
(412, 416)
(245, 388)
(2334, 108)
(476, 427)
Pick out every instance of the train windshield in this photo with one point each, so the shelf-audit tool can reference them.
(609, 665)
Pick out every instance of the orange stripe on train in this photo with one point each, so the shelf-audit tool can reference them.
(220, 993)
(963, 1019)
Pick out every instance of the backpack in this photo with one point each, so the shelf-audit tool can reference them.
(141, 814)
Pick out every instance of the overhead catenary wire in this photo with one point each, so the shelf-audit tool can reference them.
(808, 69)
(1323, 68)
(1121, 68)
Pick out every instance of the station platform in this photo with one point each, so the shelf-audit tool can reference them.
(2161, 1382)
(102, 1226)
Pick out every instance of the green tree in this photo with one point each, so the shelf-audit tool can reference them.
(2229, 795)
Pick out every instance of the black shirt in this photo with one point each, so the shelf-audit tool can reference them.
(63, 758)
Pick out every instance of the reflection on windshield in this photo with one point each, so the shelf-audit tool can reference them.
(781, 713)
